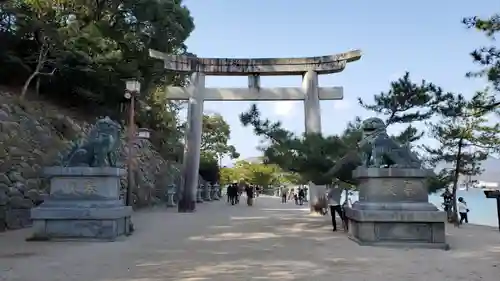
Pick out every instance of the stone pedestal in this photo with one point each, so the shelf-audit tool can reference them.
(84, 203)
(199, 197)
(393, 210)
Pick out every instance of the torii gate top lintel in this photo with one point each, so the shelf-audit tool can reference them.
(258, 66)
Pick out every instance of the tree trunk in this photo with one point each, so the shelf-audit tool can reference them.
(27, 84)
(41, 61)
(456, 173)
(186, 205)
(187, 199)
(37, 87)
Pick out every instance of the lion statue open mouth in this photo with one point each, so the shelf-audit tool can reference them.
(379, 150)
(98, 149)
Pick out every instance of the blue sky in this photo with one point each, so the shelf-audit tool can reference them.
(423, 37)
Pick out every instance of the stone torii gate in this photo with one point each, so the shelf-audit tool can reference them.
(196, 94)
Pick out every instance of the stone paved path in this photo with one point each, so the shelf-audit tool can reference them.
(270, 241)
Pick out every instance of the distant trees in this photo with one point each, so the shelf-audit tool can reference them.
(214, 146)
(264, 175)
(215, 137)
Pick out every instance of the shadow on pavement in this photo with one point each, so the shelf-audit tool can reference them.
(269, 241)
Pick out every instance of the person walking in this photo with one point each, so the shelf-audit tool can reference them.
(228, 193)
(233, 193)
(301, 196)
(463, 210)
(335, 208)
(250, 193)
(284, 194)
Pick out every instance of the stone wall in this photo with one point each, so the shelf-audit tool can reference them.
(32, 133)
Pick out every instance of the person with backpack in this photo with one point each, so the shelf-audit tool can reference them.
(463, 210)
(302, 195)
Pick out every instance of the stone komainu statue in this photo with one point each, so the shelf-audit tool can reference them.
(98, 149)
(379, 150)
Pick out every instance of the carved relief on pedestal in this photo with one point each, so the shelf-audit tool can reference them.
(90, 188)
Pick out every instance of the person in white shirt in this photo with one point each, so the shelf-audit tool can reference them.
(334, 207)
(462, 210)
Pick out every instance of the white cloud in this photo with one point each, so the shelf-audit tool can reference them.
(284, 108)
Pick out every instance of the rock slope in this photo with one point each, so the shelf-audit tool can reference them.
(32, 133)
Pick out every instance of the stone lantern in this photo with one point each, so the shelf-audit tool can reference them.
(171, 195)
(495, 194)
(199, 198)
(215, 192)
(143, 133)
(207, 192)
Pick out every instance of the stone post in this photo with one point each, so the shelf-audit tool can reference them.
(312, 118)
(199, 197)
(191, 161)
(170, 195)
(215, 192)
(219, 190)
(206, 192)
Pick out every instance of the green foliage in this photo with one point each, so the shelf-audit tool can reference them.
(465, 138)
(214, 146)
(209, 169)
(162, 118)
(215, 138)
(227, 175)
(257, 173)
(488, 57)
(311, 156)
(442, 180)
(290, 179)
(352, 133)
(406, 102)
(79, 53)
(261, 174)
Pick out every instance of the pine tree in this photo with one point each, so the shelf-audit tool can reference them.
(488, 57)
(406, 102)
(465, 138)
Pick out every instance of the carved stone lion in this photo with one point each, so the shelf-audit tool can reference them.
(379, 150)
(98, 149)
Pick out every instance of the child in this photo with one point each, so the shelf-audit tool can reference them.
(462, 210)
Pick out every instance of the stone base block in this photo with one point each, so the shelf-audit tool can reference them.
(2, 218)
(17, 218)
(80, 223)
(84, 203)
(407, 229)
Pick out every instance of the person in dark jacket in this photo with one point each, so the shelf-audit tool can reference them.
(302, 195)
(250, 193)
(232, 193)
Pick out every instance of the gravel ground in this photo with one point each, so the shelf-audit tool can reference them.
(270, 241)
